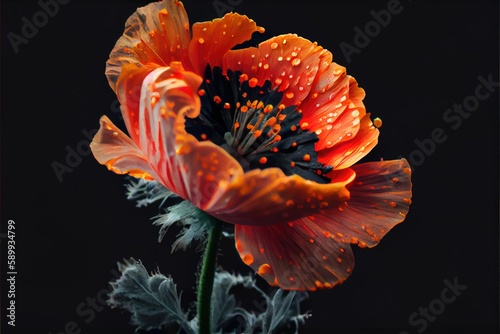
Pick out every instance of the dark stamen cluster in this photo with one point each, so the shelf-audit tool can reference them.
(249, 122)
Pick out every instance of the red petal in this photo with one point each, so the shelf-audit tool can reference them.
(380, 199)
(347, 153)
(295, 256)
(314, 251)
(288, 61)
(211, 40)
(262, 197)
(156, 34)
(113, 148)
(334, 114)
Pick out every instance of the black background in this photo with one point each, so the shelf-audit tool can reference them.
(70, 234)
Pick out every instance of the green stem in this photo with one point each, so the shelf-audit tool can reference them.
(206, 283)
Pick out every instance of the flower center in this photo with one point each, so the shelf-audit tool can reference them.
(250, 123)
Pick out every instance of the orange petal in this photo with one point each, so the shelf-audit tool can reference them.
(334, 114)
(295, 256)
(113, 148)
(130, 80)
(347, 153)
(156, 34)
(211, 40)
(329, 73)
(262, 197)
(380, 199)
(193, 170)
(287, 61)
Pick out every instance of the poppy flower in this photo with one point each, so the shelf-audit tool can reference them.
(265, 138)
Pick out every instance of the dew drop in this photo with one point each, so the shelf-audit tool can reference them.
(248, 259)
(264, 269)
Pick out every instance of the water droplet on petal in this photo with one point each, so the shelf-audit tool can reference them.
(248, 259)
